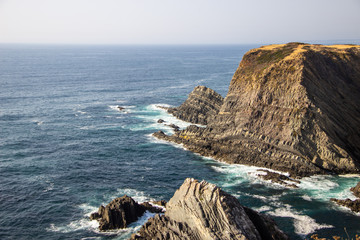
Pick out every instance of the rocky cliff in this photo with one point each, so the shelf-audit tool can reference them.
(292, 107)
(200, 210)
(202, 104)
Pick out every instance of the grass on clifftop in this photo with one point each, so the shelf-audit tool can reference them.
(275, 55)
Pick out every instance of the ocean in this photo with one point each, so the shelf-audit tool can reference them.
(65, 148)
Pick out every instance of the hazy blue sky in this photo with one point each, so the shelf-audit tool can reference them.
(177, 22)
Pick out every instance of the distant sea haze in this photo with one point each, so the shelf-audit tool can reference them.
(66, 147)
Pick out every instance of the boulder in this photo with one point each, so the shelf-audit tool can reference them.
(119, 213)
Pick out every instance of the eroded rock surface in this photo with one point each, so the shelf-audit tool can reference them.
(202, 104)
(290, 107)
(200, 210)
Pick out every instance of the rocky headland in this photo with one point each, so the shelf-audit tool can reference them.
(198, 210)
(291, 107)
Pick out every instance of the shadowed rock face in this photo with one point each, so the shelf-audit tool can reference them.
(200, 210)
(291, 107)
(202, 104)
(118, 213)
(122, 211)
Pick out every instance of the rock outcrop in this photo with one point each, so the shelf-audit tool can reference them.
(356, 190)
(120, 212)
(353, 205)
(202, 104)
(291, 107)
(200, 210)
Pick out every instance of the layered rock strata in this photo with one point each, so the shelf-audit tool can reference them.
(201, 105)
(200, 210)
(291, 107)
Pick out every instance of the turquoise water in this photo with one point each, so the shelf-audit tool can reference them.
(65, 148)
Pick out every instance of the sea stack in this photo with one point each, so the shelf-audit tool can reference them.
(290, 107)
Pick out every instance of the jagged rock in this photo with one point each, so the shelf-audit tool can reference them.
(200, 210)
(354, 205)
(151, 208)
(161, 203)
(120, 108)
(173, 126)
(202, 104)
(118, 213)
(290, 107)
(160, 121)
(356, 190)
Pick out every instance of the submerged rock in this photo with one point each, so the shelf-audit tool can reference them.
(290, 107)
(200, 210)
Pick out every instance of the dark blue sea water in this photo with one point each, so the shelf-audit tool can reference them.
(65, 148)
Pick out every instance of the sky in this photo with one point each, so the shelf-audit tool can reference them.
(178, 22)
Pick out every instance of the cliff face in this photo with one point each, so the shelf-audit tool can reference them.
(292, 107)
(201, 106)
(200, 210)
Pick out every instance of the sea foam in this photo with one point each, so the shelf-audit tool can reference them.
(303, 224)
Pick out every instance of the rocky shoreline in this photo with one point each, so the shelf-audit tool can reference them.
(197, 211)
(290, 108)
(353, 205)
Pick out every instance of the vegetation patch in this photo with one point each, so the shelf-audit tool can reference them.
(275, 55)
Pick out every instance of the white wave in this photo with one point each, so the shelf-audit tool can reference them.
(153, 139)
(127, 109)
(87, 127)
(306, 197)
(262, 209)
(303, 224)
(239, 173)
(37, 122)
(137, 195)
(326, 187)
(81, 112)
(82, 224)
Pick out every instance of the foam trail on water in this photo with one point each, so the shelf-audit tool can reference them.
(82, 224)
(303, 224)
